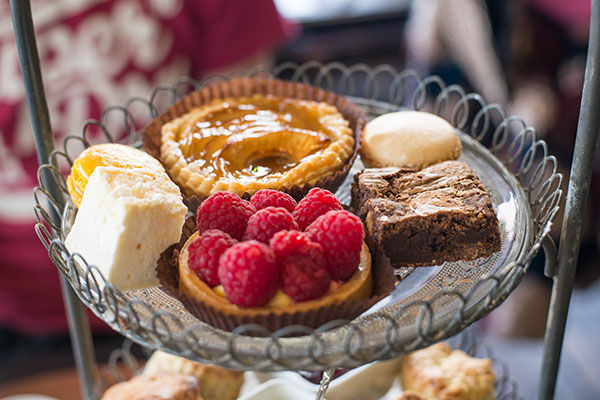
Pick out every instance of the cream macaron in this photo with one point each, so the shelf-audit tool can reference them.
(409, 139)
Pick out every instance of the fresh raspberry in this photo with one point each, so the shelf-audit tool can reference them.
(225, 211)
(204, 253)
(316, 203)
(249, 274)
(272, 198)
(267, 222)
(293, 243)
(302, 279)
(341, 235)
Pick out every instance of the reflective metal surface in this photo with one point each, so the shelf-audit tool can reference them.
(428, 305)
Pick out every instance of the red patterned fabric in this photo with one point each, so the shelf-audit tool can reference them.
(97, 53)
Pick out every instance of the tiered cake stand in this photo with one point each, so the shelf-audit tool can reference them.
(429, 304)
(128, 360)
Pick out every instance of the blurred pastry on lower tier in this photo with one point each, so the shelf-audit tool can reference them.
(161, 386)
(410, 395)
(410, 139)
(126, 219)
(440, 373)
(111, 155)
(216, 383)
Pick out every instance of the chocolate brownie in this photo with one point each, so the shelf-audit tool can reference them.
(421, 218)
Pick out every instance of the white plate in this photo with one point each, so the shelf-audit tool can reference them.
(280, 389)
(369, 382)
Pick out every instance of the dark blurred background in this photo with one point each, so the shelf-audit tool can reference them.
(528, 55)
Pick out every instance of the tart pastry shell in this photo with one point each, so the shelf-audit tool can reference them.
(243, 87)
(218, 312)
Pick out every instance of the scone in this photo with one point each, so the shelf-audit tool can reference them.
(409, 139)
(126, 219)
(216, 383)
(440, 373)
(245, 144)
(160, 386)
(408, 395)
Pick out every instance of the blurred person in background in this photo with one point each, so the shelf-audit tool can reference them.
(522, 54)
(94, 54)
(529, 56)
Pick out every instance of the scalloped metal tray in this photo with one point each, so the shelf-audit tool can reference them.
(427, 305)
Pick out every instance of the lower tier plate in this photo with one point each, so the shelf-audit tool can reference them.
(374, 381)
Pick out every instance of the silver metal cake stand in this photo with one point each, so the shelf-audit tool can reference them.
(428, 304)
(128, 361)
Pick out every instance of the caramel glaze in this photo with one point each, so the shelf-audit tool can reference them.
(259, 137)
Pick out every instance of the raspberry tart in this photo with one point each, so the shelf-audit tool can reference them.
(277, 274)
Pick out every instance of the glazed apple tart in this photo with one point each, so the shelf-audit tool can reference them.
(245, 144)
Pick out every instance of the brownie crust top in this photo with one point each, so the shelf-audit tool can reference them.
(441, 213)
(447, 186)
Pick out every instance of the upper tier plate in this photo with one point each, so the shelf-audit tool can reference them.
(428, 304)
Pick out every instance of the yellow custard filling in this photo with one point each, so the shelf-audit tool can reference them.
(280, 299)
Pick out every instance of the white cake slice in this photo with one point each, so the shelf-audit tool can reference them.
(126, 219)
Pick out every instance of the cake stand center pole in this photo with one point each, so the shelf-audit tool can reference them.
(81, 338)
(324, 384)
(579, 185)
